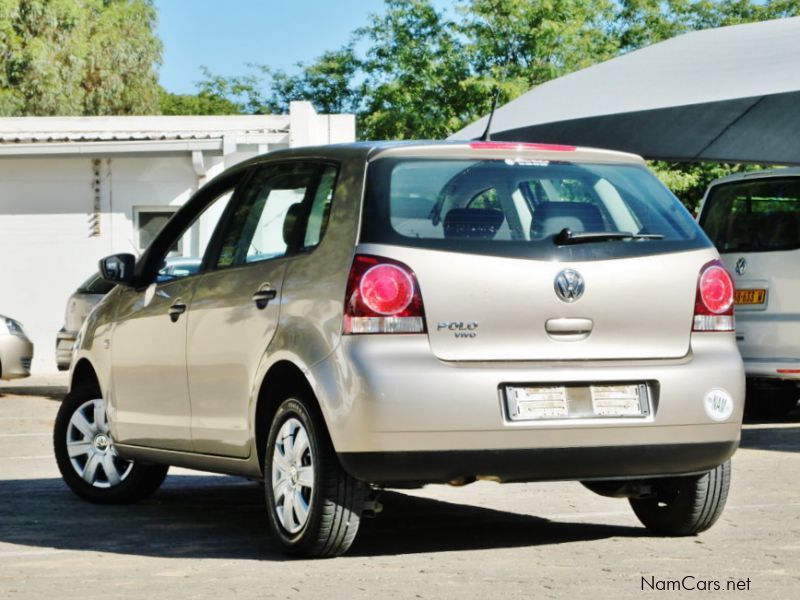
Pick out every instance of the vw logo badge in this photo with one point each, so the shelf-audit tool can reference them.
(741, 266)
(569, 285)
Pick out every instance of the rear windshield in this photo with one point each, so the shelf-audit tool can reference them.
(519, 207)
(760, 215)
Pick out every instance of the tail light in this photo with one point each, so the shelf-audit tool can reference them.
(713, 305)
(382, 297)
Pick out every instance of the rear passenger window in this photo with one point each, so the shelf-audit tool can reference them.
(320, 209)
(283, 209)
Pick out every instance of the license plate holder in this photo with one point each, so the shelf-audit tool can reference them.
(541, 402)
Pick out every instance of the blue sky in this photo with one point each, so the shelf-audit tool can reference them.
(225, 35)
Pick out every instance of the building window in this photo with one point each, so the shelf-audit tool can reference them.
(149, 222)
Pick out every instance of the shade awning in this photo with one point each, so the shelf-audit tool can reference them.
(727, 94)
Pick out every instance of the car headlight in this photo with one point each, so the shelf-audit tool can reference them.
(14, 327)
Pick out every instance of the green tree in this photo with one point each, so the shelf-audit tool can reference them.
(78, 57)
(417, 76)
(519, 44)
(329, 82)
(639, 23)
(201, 103)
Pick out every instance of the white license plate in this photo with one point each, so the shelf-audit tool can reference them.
(538, 402)
(544, 402)
(617, 400)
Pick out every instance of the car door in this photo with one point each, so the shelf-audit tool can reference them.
(149, 402)
(235, 308)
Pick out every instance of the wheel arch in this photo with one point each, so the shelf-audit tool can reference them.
(282, 377)
(83, 375)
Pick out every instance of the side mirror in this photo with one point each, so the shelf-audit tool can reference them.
(118, 268)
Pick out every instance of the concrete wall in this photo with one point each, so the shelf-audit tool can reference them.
(47, 246)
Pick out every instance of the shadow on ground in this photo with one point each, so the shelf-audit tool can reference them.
(783, 438)
(51, 392)
(224, 517)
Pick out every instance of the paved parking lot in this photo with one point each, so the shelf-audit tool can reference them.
(205, 536)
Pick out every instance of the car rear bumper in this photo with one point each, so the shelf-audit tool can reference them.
(64, 344)
(542, 464)
(388, 395)
(16, 355)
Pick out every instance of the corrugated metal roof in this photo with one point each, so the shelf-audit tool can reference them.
(154, 128)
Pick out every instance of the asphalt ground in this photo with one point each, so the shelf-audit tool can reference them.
(205, 536)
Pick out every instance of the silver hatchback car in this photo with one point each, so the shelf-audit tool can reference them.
(380, 314)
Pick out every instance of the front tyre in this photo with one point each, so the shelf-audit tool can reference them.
(686, 505)
(88, 460)
(314, 507)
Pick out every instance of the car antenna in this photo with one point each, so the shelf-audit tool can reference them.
(486, 137)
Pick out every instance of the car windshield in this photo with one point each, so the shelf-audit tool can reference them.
(96, 285)
(523, 207)
(758, 215)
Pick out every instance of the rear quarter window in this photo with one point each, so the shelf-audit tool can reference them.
(760, 215)
(517, 207)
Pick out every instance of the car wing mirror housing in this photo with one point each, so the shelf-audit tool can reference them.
(118, 268)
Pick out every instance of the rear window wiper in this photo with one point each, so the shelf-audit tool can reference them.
(566, 236)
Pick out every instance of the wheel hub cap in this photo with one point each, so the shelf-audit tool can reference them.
(91, 448)
(292, 478)
(102, 443)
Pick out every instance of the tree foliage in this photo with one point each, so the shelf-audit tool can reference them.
(416, 74)
(518, 44)
(78, 57)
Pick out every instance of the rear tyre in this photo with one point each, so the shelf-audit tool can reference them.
(685, 505)
(88, 459)
(314, 507)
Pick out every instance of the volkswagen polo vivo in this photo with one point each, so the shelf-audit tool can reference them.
(380, 314)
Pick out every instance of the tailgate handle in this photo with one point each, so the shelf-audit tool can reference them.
(569, 326)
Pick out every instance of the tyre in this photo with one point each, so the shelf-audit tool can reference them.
(88, 460)
(314, 507)
(685, 505)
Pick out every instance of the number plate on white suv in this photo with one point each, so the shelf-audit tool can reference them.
(538, 402)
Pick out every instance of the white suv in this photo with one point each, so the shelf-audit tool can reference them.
(754, 220)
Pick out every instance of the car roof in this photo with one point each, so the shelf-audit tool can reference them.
(450, 149)
(766, 174)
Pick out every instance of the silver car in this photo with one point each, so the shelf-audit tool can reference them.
(91, 291)
(754, 221)
(79, 305)
(380, 314)
(16, 350)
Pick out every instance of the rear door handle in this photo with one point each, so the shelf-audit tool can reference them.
(264, 294)
(176, 310)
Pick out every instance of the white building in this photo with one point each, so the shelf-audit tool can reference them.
(75, 189)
